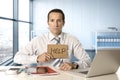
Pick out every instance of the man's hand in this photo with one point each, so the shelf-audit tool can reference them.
(44, 57)
(66, 66)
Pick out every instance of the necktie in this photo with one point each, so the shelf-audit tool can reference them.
(57, 62)
(57, 39)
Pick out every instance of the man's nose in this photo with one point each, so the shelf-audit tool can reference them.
(56, 24)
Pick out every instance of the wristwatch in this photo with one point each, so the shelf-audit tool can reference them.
(74, 65)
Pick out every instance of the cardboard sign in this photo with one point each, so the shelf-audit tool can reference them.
(58, 50)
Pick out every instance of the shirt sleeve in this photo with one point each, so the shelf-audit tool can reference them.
(84, 60)
(24, 59)
(26, 55)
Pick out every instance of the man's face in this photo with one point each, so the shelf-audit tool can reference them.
(55, 23)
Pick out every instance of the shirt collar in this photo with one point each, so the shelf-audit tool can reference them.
(51, 36)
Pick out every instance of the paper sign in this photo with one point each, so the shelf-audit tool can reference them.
(58, 50)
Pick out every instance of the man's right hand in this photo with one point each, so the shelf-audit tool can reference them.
(44, 57)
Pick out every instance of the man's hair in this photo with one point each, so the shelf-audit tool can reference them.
(57, 11)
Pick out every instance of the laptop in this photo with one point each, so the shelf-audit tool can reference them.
(106, 61)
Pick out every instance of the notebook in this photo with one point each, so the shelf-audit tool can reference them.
(106, 61)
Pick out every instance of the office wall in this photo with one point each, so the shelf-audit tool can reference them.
(83, 17)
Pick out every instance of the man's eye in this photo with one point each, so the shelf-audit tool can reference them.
(52, 20)
(59, 20)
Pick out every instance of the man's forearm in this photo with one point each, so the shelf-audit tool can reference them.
(25, 59)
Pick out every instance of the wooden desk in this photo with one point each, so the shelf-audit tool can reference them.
(64, 75)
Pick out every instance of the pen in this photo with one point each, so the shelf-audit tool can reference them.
(35, 52)
(20, 70)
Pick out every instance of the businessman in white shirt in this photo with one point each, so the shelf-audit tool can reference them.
(36, 50)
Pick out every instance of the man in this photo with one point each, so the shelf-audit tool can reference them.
(36, 50)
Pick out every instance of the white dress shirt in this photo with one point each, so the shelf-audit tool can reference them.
(39, 44)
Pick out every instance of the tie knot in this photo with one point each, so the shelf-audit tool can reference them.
(57, 40)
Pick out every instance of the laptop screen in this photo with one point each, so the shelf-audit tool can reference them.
(106, 61)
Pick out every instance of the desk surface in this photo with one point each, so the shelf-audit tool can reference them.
(64, 75)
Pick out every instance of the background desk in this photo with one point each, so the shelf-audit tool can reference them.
(64, 75)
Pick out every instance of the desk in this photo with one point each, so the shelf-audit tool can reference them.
(64, 75)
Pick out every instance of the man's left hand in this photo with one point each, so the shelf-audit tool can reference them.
(65, 66)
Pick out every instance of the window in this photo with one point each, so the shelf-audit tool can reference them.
(24, 24)
(6, 40)
(6, 6)
(24, 10)
(14, 28)
(23, 34)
